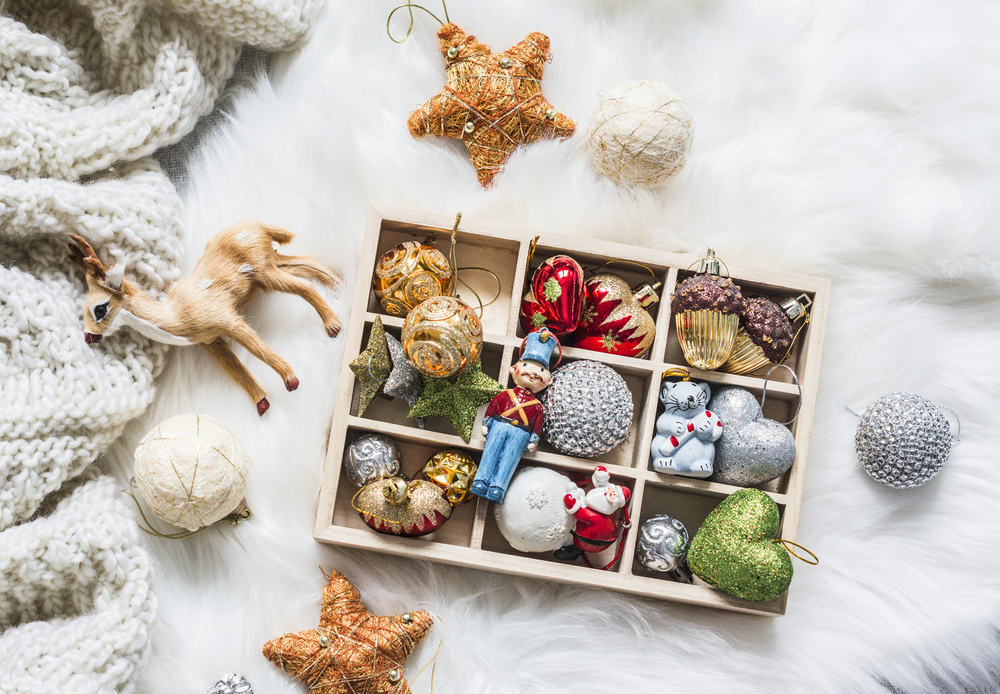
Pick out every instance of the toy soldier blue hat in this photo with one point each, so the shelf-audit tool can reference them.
(539, 346)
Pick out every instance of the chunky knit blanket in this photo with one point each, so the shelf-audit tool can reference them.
(88, 90)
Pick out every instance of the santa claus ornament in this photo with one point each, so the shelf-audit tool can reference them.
(597, 519)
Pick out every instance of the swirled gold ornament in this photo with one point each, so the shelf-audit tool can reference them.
(442, 337)
(452, 470)
(409, 274)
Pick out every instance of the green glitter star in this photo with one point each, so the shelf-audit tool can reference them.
(457, 398)
(372, 367)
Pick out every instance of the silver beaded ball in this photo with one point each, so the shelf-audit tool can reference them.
(230, 683)
(369, 457)
(753, 449)
(588, 409)
(663, 545)
(903, 440)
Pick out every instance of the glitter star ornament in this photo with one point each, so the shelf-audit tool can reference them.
(351, 651)
(734, 550)
(903, 440)
(457, 398)
(493, 101)
(404, 381)
(372, 367)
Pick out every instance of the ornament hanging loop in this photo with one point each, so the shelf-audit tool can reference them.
(453, 261)
(709, 259)
(241, 514)
(677, 372)
(958, 423)
(595, 270)
(763, 395)
(784, 543)
(409, 7)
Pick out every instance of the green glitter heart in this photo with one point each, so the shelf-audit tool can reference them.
(733, 548)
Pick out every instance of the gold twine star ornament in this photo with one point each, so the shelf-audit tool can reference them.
(493, 101)
(351, 651)
(457, 398)
(372, 367)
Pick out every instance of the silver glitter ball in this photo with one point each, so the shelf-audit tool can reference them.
(369, 457)
(903, 440)
(230, 683)
(663, 546)
(588, 409)
(753, 449)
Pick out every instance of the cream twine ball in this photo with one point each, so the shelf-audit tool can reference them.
(191, 471)
(640, 133)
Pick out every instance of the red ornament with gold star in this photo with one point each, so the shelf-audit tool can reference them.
(493, 101)
(615, 319)
(555, 300)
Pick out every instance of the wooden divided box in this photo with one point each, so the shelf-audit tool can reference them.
(471, 537)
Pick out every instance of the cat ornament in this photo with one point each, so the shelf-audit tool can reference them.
(686, 432)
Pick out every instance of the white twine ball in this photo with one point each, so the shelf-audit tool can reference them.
(191, 471)
(640, 133)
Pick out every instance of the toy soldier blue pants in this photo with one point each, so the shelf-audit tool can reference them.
(504, 446)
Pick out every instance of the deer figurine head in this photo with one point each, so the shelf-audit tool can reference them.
(104, 289)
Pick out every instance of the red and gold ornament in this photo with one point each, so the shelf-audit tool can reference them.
(555, 300)
(395, 506)
(615, 319)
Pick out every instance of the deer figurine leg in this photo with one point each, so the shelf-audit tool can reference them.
(237, 371)
(282, 280)
(244, 335)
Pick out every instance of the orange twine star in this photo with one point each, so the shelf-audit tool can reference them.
(492, 102)
(352, 651)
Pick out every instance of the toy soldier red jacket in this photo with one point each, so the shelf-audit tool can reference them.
(520, 407)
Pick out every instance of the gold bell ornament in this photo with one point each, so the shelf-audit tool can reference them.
(707, 309)
(397, 506)
(766, 333)
(409, 274)
(442, 337)
(452, 470)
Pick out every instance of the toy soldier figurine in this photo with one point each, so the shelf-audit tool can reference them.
(513, 421)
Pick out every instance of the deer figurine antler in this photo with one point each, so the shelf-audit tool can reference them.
(204, 308)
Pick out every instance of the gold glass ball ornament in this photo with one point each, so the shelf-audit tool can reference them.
(442, 337)
(191, 471)
(452, 470)
(409, 274)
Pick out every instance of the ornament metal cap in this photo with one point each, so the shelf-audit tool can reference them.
(646, 294)
(710, 263)
(794, 308)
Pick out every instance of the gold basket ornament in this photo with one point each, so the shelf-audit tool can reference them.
(707, 309)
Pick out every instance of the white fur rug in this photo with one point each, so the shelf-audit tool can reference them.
(856, 141)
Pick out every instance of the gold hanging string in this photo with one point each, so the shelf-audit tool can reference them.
(453, 261)
(531, 254)
(675, 372)
(805, 319)
(409, 7)
(233, 518)
(630, 262)
(784, 543)
(763, 395)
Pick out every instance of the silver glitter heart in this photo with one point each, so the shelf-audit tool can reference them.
(903, 440)
(753, 449)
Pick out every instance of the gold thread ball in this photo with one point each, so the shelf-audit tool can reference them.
(409, 274)
(442, 337)
(452, 470)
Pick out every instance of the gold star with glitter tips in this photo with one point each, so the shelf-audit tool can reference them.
(457, 398)
(493, 101)
(372, 367)
(351, 651)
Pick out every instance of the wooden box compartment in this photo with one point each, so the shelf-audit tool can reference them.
(471, 537)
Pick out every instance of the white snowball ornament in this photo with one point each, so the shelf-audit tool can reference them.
(533, 517)
(640, 133)
(191, 471)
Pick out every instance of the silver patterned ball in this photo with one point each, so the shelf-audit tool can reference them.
(663, 546)
(753, 449)
(588, 409)
(230, 683)
(903, 440)
(370, 457)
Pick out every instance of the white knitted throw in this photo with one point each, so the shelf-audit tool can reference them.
(88, 89)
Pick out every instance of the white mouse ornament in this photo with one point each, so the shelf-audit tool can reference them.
(686, 432)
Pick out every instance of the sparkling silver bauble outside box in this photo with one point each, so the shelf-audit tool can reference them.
(588, 409)
(903, 440)
(370, 457)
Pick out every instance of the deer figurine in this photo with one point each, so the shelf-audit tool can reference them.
(203, 309)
